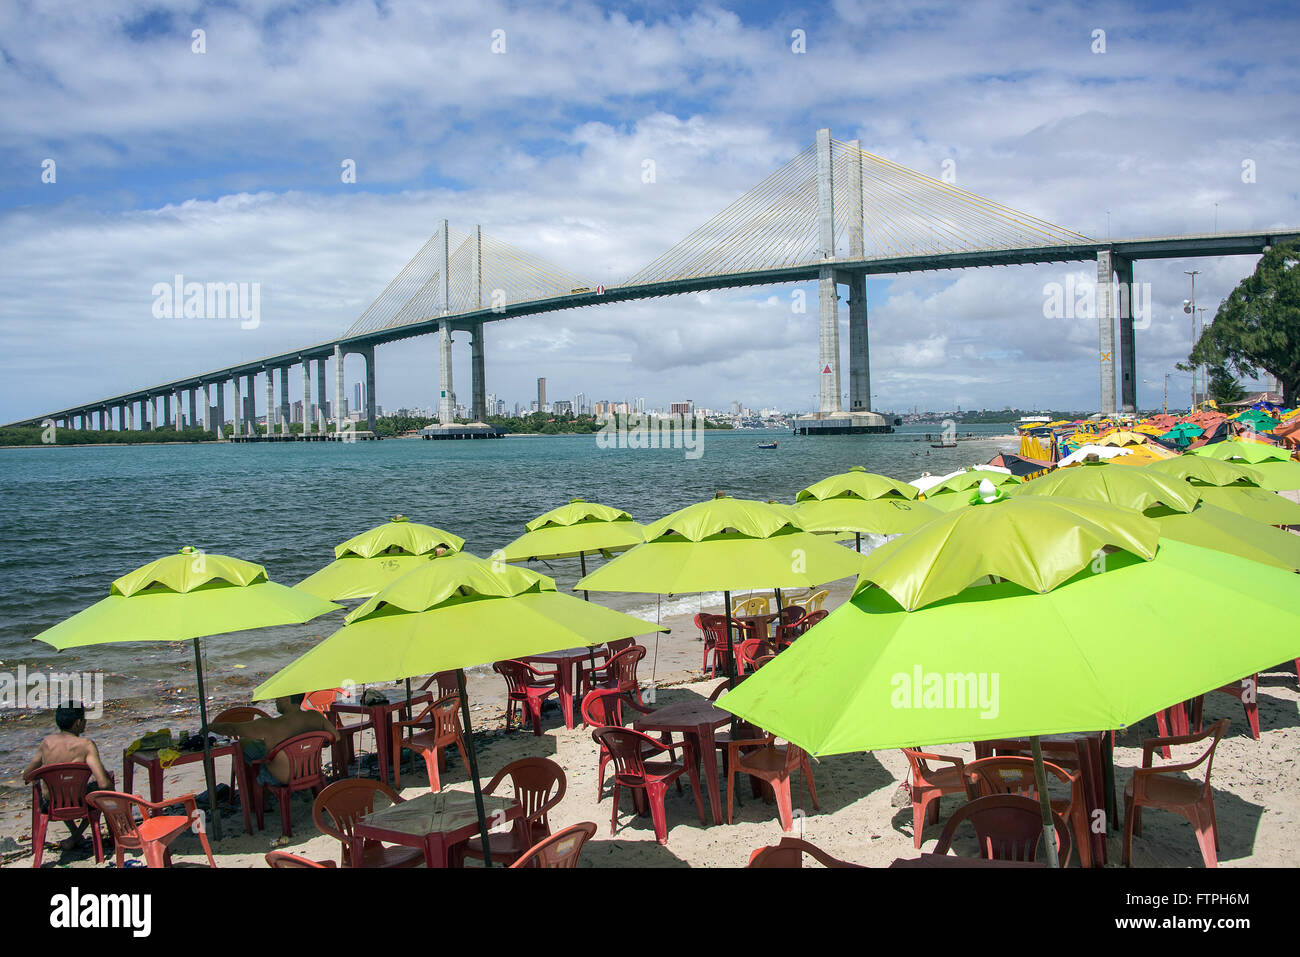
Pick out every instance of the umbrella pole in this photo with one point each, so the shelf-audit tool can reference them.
(473, 767)
(208, 773)
(857, 541)
(1044, 801)
(586, 596)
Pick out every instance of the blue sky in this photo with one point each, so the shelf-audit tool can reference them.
(224, 166)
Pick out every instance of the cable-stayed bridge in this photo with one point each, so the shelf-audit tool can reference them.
(835, 213)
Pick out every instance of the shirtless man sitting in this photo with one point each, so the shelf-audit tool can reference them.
(67, 746)
(258, 737)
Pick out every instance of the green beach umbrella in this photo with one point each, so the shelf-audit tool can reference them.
(955, 491)
(451, 614)
(1237, 450)
(185, 597)
(574, 531)
(366, 563)
(1212, 527)
(1117, 640)
(860, 502)
(1197, 470)
(857, 483)
(725, 544)
(1256, 504)
(1280, 475)
(1136, 488)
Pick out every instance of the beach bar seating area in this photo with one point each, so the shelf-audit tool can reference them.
(1028, 675)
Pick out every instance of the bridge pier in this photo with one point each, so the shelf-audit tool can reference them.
(322, 404)
(282, 413)
(1106, 329)
(859, 346)
(446, 400)
(221, 409)
(1127, 340)
(306, 397)
(249, 404)
(179, 422)
(479, 413)
(369, 354)
(338, 390)
(194, 410)
(828, 325)
(270, 400)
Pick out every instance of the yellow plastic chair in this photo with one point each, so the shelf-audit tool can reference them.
(815, 602)
(750, 606)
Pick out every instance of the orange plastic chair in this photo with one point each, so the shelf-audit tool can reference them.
(603, 708)
(528, 688)
(283, 860)
(67, 784)
(1009, 827)
(1015, 775)
(929, 785)
(305, 753)
(761, 758)
(153, 835)
(648, 780)
(1167, 790)
(433, 731)
(538, 785)
(336, 811)
(789, 852)
(319, 701)
(561, 850)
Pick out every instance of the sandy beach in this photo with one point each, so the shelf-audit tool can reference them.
(1256, 800)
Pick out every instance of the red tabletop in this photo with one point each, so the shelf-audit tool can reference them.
(435, 823)
(696, 716)
(381, 721)
(567, 661)
(153, 766)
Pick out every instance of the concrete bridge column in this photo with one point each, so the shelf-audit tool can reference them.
(1127, 340)
(122, 412)
(284, 413)
(179, 422)
(306, 397)
(828, 325)
(476, 368)
(1106, 329)
(859, 346)
(166, 417)
(322, 416)
(338, 390)
(446, 402)
(194, 411)
(221, 410)
(157, 414)
(371, 421)
(270, 401)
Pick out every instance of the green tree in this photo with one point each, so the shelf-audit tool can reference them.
(1258, 326)
(1224, 386)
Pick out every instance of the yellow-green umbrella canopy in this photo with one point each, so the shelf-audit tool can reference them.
(1253, 503)
(878, 516)
(1097, 482)
(1236, 450)
(573, 530)
(1212, 527)
(368, 562)
(856, 483)
(1199, 470)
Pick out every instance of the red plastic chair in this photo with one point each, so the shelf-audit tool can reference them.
(749, 651)
(621, 669)
(789, 852)
(538, 785)
(1009, 827)
(600, 675)
(154, 833)
(305, 752)
(648, 780)
(528, 688)
(1247, 692)
(715, 640)
(1166, 789)
(929, 785)
(237, 715)
(283, 860)
(787, 633)
(446, 682)
(561, 850)
(67, 784)
(1015, 775)
(336, 811)
(761, 758)
(603, 708)
(433, 731)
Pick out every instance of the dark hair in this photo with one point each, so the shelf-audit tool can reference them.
(67, 715)
(298, 699)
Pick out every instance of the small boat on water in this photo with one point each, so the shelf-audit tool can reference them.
(943, 445)
(767, 445)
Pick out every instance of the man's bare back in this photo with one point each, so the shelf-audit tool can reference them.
(271, 731)
(67, 746)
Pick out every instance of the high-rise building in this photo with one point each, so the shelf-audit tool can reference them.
(580, 404)
(562, 407)
(541, 394)
(640, 406)
(682, 408)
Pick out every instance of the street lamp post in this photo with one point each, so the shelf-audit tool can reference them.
(1189, 307)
